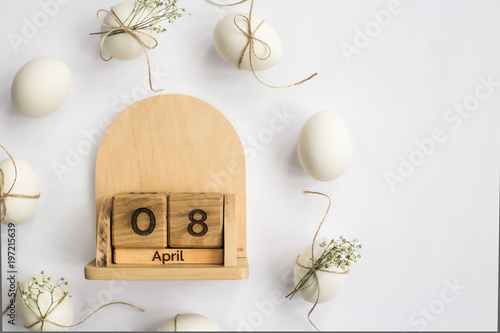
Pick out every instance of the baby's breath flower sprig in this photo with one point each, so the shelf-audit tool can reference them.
(147, 14)
(340, 253)
(38, 285)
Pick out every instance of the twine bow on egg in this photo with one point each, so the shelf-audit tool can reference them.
(250, 34)
(4, 195)
(251, 39)
(122, 28)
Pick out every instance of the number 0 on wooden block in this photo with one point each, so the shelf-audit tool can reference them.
(139, 220)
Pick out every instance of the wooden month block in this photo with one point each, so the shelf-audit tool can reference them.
(195, 220)
(168, 256)
(139, 220)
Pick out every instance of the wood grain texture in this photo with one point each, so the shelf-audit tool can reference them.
(168, 144)
(132, 227)
(103, 241)
(173, 143)
(187, 227)
(168, 256)
(167, 272)
(230, 232)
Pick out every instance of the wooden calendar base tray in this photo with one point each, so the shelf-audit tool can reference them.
(170, 272)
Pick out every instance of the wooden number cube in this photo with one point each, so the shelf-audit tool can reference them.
(195, 220)
(139, 220)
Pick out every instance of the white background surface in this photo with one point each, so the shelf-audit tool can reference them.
(440, 224)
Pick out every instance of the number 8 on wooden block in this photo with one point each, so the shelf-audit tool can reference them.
(139, 220)
(195, 220)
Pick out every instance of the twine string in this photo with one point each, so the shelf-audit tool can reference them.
(177, 317)
(122, 28)
(43, 318)
(251, 39)
(312, 268)
(4, 195)
(250, 34)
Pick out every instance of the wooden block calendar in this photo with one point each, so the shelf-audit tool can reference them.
(170, 194)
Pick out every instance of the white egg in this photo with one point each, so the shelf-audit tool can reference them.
(230, 42)
(63, 314)
(189, 322)
(330, 283)
(324, 146)
(124, 46)
(19, 210)
(41, 87)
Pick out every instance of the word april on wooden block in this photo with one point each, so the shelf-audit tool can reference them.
(169, 256)
(139, 220)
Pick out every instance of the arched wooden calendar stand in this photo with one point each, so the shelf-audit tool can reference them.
(171, 143)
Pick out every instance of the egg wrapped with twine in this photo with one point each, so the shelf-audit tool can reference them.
(190, 322)
(331, 279)
(321, 269)
(19, 191)
(126, 46)
(235, 40)
(44, 305)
